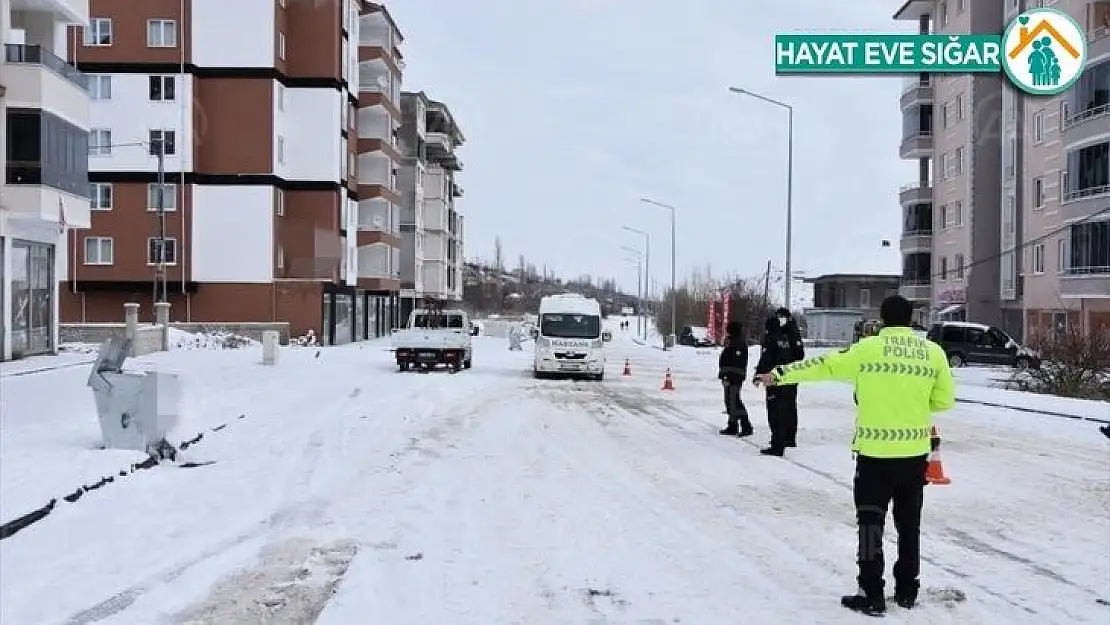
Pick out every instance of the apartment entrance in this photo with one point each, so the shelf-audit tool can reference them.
(32, 297)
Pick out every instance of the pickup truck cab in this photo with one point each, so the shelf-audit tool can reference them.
(434, 338)
(569, 338)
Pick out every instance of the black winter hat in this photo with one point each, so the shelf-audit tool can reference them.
(772, 324)
(734, 328)
(784, 312)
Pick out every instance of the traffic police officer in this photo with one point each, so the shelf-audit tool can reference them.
(900, 380)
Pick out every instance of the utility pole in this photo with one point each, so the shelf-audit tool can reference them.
(767, 286)
(158, 146)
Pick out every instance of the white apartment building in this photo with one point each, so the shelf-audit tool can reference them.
(43, 148)
(431, 225)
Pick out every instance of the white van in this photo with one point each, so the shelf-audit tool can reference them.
(569, 338)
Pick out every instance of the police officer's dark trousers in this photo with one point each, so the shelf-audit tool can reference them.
(880, 482)
(737, 412)
(782, 415)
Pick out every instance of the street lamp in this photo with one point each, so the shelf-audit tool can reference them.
(674, 293)
(789, 177)
(647, 269)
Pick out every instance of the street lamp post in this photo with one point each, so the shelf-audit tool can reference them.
(674, 293)
(789, 179)
(647, 271)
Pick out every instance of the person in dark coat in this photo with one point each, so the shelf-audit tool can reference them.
(732, 370)
(782, 345)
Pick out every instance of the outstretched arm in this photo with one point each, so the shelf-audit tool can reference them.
(842, 366)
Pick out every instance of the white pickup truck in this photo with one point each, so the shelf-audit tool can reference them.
(434, 338)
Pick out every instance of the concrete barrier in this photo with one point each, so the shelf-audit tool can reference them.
(270, 340)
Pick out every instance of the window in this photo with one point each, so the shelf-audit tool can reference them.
(1063, 254)
(167, 247)
(100, 196)
(942, 14)
(1063, 184)
(1065, 112)
(1038, 127)
(943, 270)
(280, 253)
(951, 164)
(946, 115)
(1038, 258)
(280, 97)
(959, 107)
(161, 34)
(99, 32)
(100, 142)
(168, 196)
(279, 202)
(167, 139)
(959, 161)
(281, 45)
(352, 163)
(281, 149)
(957, 213)
(975, 336)
(162, 88)
(100, 87)
(865, 298)
(958, 261)
(1038, 193)
(99, 250)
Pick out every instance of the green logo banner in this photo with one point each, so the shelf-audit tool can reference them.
(902, 53)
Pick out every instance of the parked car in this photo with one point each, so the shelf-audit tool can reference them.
(694, 336)
(977, 343)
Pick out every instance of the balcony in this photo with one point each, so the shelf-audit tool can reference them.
(435, 280)
(1098, 31)
(376, 31)
(1085, 282)
(917, 145)
(1083, 126)
(439, 141)
(435, 248)
(1083, 203)
(917, 90)
(918, 241)
(22, 54)
(69, 11)
(435, 215)
(916, 193)
(916, 290)
(35, 78)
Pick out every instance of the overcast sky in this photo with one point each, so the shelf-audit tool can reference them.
(574, 109)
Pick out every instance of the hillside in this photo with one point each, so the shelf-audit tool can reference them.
(487, 289)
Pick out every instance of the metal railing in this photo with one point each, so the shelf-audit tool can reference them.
(1087, 114)
(917, 282)
(916, 82)
(1089, 192)
(37, 55)
(1093, 270)
(913, 186)
(918, 233)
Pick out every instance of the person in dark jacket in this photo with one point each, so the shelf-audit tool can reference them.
(782, 345)
(732, 370)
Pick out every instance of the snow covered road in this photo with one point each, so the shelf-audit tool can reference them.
(350, 494)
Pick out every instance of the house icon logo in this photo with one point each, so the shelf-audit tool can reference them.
(1045, 51)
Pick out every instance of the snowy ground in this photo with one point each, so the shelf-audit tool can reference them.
(351, 494)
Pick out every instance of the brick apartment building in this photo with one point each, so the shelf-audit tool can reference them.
(1008, 221)
(275, 207)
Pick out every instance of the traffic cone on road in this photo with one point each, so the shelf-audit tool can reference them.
(668, 381)
(627, 367)
(934, 472)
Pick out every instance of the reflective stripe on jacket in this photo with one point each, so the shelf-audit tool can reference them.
(900, 380)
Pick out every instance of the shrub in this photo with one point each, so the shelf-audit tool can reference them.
(1073, 363)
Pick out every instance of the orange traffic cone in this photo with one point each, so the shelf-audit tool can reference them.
(668, 381)
(627, 367)
(934, 472)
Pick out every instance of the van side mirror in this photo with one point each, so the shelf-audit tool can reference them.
(473, 330)
(607, 336)
(535, 333)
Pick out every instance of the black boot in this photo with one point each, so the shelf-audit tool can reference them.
(905, 595)
(791, 444)
(730, 430)
(772, 451)
(746, 431)
(871, 606)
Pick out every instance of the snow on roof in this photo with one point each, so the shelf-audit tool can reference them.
(569, 303)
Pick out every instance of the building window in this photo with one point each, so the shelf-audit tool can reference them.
(1065, 112)
(100, 142)
(100, 87)
(959, 161)
(959, 107)
(958, 261)
(100, 196)
(99, 32)
(99, 250)
(352, 163)
(281, 45)
(279, 202)
(161, 34)
(1038, 258)
(154, 191)
(1062, 255)
(280, 97)
(1063, 184)
(281, 149)
(1038, 193)
(167, 139)
(167, 247)
(280, 257)
(942, 14)
(162, 88)
(946, 115)
(957, 213)
(1038, 127)
(943, 271)
(864, 297)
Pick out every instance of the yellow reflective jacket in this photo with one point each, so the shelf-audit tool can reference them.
(900, 380)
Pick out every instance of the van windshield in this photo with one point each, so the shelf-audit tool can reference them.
(437, 321)
(570, 326)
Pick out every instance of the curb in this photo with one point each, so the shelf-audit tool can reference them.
(1047, 413)
(166, 453)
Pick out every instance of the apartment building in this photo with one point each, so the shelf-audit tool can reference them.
(431, 226)
(951, 212)
(225, 162)
(1009, 220)
(44, 102)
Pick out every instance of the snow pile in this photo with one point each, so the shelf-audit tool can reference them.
(179, 339)
(78, 348)
(307, 339)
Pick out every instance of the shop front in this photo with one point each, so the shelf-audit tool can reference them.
(28, 293)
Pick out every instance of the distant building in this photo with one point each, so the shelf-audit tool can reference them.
(842, 299)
